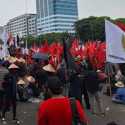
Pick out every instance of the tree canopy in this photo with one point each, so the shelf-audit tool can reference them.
(92, 28)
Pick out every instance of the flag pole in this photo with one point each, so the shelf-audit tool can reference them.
(27, 26)
(108, 80)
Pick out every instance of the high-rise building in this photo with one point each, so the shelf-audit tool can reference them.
(56, 15)
(22, 25)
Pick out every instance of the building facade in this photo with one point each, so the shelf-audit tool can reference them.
(56, 16)
(23, 25)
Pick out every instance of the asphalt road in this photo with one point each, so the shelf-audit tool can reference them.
(115, 112)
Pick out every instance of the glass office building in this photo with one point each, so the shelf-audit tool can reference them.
(56, 16)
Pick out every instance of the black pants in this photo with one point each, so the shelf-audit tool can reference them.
(9, 101)
(78, 92)
(35, 90)
(86, 98)
(1, 99)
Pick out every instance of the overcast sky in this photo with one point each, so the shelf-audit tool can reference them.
(112, 8)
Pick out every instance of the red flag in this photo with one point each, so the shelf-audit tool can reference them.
(45, 47)
(74, 48)
(121, 25)
(55, 51)
(96, 53)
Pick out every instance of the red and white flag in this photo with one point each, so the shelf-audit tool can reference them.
(115, 43)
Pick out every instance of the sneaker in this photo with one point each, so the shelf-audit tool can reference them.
(93, 113)
(102, 114)
(4, 121)
(16, 121)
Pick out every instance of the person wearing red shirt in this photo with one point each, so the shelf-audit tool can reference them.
(57, 110)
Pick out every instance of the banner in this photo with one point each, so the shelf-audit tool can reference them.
(4, 52)
(115, 43)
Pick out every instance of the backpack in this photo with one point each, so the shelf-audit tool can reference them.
(75, 116)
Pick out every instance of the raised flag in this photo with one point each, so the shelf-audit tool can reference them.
(121, 25)
(4, 52)
(10, 40)
(115, 43)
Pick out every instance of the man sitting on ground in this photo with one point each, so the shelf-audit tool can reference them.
(119, 96)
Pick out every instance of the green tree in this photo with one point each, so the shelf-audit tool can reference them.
(92, 28)
(30, 40)
(51, 37)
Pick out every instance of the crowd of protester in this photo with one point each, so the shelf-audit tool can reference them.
(21, 82)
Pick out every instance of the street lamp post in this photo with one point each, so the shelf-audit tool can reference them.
(27, 27)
